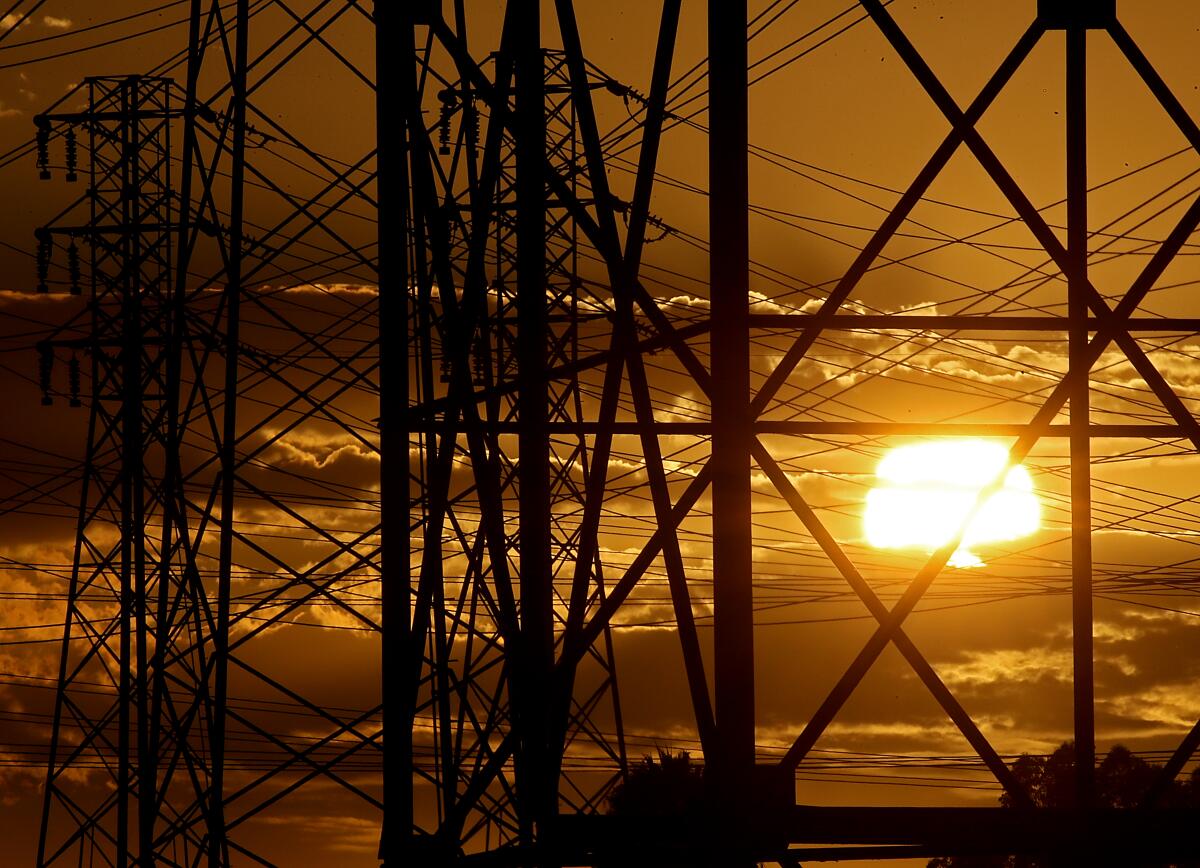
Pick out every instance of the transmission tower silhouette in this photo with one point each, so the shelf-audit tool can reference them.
(559, 449)
(205, 230)
(480, 740)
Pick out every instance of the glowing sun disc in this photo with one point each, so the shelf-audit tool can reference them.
(925, 490)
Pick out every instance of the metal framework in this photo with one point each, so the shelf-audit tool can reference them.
(220, 566)
(553, 450)
(133, 594)
(502, 598)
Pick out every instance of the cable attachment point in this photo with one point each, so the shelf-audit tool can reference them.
(42, 140)
(471, 122)
(664, 229)
(43, 259)
(73, 267)
(449, 101)
(72, 155)
(616, 88)
(479, 360)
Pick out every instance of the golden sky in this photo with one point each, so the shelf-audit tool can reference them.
(838, 127)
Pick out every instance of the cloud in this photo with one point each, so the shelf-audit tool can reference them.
(1174, 705)
(1007, 666)
(56, 23)
(14, 297)
(317, 452)
(330, 455)
(343, 289)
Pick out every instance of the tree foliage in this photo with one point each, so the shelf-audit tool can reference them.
(1122, 780)
(671, 787)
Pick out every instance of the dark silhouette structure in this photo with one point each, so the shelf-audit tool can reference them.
(206, 235)
(533, 603)
(510, 375)
(671, 786)
(1122, 782)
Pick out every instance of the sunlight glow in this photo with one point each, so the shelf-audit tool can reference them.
(924, 491)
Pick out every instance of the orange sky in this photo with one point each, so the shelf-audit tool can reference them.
(835, 135)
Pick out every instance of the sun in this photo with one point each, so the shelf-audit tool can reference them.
(925, 490)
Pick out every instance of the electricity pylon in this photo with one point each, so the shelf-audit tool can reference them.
(229, 319)
(561, 450)
(505, 611)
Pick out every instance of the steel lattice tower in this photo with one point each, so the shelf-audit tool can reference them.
(227, 314)
(548, 606)
(134, 594)
(520, 386)
(489, 741)
(478, 345)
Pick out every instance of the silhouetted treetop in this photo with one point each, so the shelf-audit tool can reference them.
(1122, 780)
(671, 787)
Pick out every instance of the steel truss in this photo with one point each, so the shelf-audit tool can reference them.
(526, 365)
(505, 630)
(474, 216)
(219, 572)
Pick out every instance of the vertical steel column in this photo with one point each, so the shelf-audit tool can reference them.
(733, 615)
(395, 53)
(131, 463)
(536, 658)
(174, 521)
(192, 160)
(133, 253)
(217, 848)
(1081, 505)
